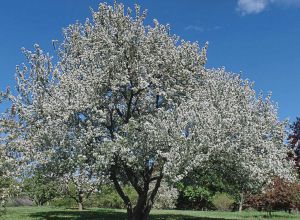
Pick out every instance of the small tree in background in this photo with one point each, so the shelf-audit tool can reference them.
(166, 197)
(200, 185)
(294, 143)
(41, 186)
(198, 188)
(294, 137)
(277, 195)
(80, 186)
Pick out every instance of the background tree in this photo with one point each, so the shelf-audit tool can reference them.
(218, 175)
(41, 187)
(141, 106)
(198, 188)
(294, 143)
(10, 158)
(277, 195)
(295, 135)
(80, 186)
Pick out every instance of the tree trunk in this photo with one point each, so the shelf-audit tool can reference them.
(80, 201)
(80, 206)
(241, 202)
(139, 216)
(142, 209)
(145, 197)
(145, 202)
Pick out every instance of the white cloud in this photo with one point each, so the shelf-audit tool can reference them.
(256, 6)
(252, 6)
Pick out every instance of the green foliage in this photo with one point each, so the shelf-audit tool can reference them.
(109, 198)
(106, 198)
(199, 187)
(40, 187)
(194, 192)
(9, 187)
(222, 201)
(195, 197)
(64, 201)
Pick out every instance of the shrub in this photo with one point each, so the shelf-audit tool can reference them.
(107, 197)
(166, 197)
(277, 195)
(194, 197)
(19, 201)
(222, 201)
(64, 202)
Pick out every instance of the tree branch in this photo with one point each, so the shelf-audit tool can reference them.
(151, 198)
(132, 178)
(119, 189)
(128, 113)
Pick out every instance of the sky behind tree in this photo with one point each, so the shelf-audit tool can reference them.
(260, 39)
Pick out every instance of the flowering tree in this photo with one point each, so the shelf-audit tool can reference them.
(166, 197)
(5, 172)
(9, 153)
(74, 161)
(139, 104)
(79, 188)
(238, 127)
(79, 182)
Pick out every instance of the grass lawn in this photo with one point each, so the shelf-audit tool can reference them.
(48, 213)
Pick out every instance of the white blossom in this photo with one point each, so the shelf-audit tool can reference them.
(133, 101)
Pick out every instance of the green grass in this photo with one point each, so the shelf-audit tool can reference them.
(48, 213)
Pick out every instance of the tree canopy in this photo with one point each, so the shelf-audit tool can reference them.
(134, 103)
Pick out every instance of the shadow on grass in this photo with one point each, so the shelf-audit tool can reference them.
(267, 216)
(106, 215)
(79, 215)
(180, 217)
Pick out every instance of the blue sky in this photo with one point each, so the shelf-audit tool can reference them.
(259, 38)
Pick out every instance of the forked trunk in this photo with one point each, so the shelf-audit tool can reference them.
(145, 200)
(145, 196)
